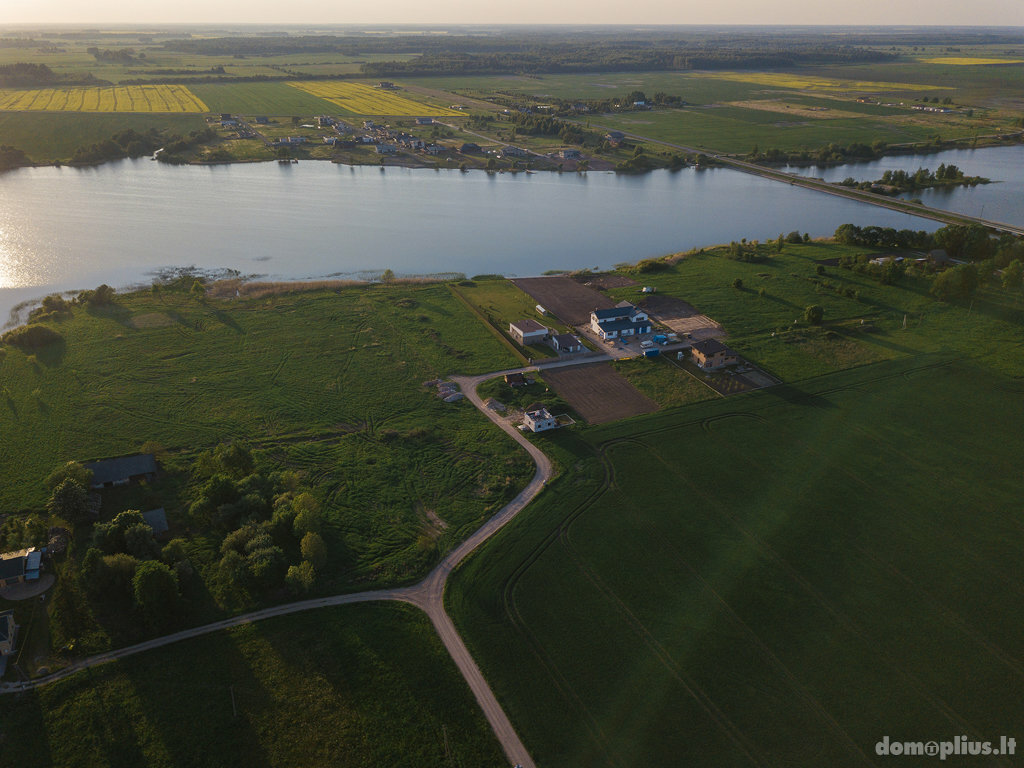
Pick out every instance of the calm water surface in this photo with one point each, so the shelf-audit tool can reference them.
(124, 222)
(1002, 201)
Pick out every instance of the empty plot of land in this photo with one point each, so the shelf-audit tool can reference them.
(604, 282)
(569, 301)
(598, 392)
(681, 317)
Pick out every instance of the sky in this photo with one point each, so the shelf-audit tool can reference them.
(861, 12)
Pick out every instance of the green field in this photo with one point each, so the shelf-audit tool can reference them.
(250, 99)
(737, 130)
(761, 327)
(329, 384)
(359, 686)
(49, 136)
(781, 578)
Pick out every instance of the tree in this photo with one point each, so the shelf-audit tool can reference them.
(70, 471)
(138, 540)
(307, 515)
(69, 501)
(300, 577)
(960, 282)
(1013, 275)
(737, 284)
(155, 589)
(313, 549)
(814, 314)
(387, 276)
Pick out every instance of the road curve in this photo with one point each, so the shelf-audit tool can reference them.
(428, 594)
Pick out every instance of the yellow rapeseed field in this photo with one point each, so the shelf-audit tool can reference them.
(962, 61)
(118, 98)
(362, 99)
(813, 83)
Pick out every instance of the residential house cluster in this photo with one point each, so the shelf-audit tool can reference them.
(624, 319)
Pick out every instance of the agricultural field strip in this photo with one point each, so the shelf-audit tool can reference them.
(120, 98)
(428, 595)
(563, 535)
(362, 99)
(815, 83)
(961, 61)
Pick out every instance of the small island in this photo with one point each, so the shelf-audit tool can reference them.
(895, 182)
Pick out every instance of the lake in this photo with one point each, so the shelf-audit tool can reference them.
(1002, 201)
(127, 222)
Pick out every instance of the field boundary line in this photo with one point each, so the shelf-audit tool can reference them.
(490, 326)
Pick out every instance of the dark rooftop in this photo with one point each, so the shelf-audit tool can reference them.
(710, 347)
(121, 469)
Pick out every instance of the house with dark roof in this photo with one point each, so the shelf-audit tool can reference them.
(527, 331)
(107, 473)
(515, 380)
(566, 342)
(469, 148)
(622, 320)
(157, 520)
(712, 354)
(17, 567)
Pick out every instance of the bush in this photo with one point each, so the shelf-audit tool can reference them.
(31, 337)
(814, 314)
(737, 284)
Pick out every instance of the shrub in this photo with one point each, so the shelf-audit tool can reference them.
(737, 284)
(814, 314)
(31, 337)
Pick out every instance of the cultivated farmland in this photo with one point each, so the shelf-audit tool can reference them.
(802, 82)
(598, 392)
(121, 98)
(360, 99)
(775, 579)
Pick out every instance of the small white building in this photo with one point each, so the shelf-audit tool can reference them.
(539, 420)
(527, 332)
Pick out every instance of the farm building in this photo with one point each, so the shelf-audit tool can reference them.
(539, 420)
(511, 151)
(20, 566)
(623, 320)
(566, 342)
(712, 354)
(515, 380)
(527, 331)
(469, 148)
(569, 154)
(424, 121)
(110, 472)
(386, 149)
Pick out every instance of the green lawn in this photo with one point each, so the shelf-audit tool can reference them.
(780, 578)
(501, 303)
(360, 686)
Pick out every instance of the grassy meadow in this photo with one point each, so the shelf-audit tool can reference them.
(779, 578)
(359, 686)
(862, 328)
(326, 383)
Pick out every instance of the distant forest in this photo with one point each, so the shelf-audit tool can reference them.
(548, 51)
(39, 75)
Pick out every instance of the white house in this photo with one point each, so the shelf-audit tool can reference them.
(623, 320)
(527, 332)
(539, 420)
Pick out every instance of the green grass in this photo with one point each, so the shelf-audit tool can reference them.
(252, 99)
(327, 383)
(761, 327)
(502, 303)
(737, 130)
(780, 578)
(49, 136)
(367, 685)
(664, 381)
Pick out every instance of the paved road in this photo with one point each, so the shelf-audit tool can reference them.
(427, 595)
